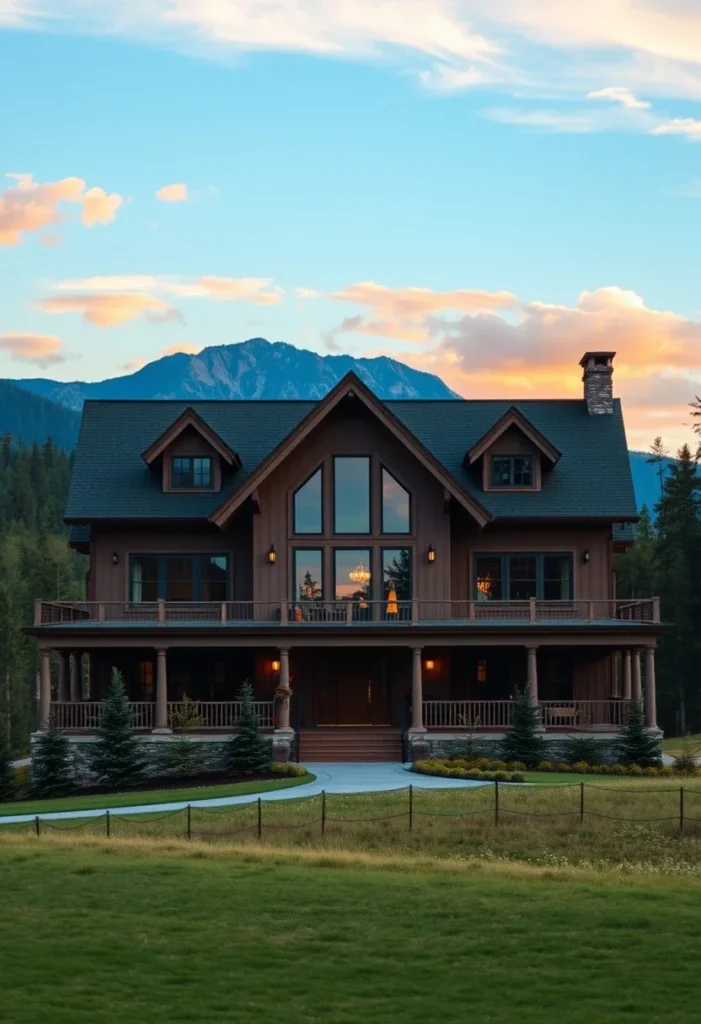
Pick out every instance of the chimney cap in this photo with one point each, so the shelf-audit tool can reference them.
(605, 358)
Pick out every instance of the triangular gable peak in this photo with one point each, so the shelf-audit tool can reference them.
(513, 418)
(349, 387)
(190, 419)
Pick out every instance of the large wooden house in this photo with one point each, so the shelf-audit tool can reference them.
(387, 574)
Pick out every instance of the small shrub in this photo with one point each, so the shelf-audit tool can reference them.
(52, 768)
(546, 766)
(22, 778)
(8, 778)
(180, 758)
(634, 769)
(523, 741)
(652, 773)
(516, 766)
(636, 745)
(517, 777)
(581, 767)
(667, 770)
(295, 771)
(563, 766)
(583, 748)
(187, 717)
(249, 752)
(500, 776)
(686, 761)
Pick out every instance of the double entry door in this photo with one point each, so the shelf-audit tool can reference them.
(352, 688)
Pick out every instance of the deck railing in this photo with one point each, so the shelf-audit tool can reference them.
(474, 715)
(305, 614)
(86, 716)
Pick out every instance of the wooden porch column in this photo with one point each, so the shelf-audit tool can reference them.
(636, 693)
(417, 691)
(76, 677)
(64, 684)
(627, 676)
(650, 689)
(533, 673)
(45, 689)
(161, 721)
(285, 685)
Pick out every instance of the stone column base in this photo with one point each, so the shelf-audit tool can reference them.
(161, 732)
(282, 744)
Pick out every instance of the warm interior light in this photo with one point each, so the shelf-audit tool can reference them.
(272, 557)
(429, 666)
(431, 553)
(276, 666)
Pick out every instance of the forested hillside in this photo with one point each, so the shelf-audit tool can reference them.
(35, 561)
(35, 418)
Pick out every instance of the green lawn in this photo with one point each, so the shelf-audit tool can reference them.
(673, 744)
(86, 803)
(121, 935)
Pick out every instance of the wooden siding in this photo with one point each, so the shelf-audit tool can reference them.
(344, 433)
(512, 442)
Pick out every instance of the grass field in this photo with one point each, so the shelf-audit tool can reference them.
(161, 796)
(673, 744)
(628, 825)
(125, 933)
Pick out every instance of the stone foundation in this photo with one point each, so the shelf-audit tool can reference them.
(456, 744)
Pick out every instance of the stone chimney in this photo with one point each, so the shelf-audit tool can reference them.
(598, 381)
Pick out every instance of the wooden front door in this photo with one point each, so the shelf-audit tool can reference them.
(352, 691)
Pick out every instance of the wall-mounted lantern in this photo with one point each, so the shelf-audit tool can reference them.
(586, 557)
(430, 665)
(115, 558)
(275, 667)
(272, 557)
(431, 553)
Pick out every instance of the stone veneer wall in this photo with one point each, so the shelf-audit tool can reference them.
(463, 745)
(211, 752)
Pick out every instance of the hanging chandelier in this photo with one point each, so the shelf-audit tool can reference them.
(360, 574)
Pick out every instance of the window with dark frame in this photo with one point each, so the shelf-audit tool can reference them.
(307, 505)
(197, 577)
(191, 471)
(512, 471)
(396, 505)
(307, 574)
(351, 494)
(518, 577)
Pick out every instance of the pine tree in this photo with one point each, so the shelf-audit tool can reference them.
(117, 757)
(659, 453)
(249, 752)
(636, 571)
(636, 745)
(52, 765)
(523, 742)
(7, 772)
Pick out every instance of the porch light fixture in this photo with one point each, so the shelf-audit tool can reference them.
(430, 665)
(115, 559)
(585, 557)
(272, 557)
(275, 667)
(431, 553)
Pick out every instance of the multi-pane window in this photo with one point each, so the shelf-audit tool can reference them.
(397, 584)
(512, 471)
(191, 471)
(519, 577)
(179, 578)
(307, 505)
(396, 505)
(352, 575)
(351, 494)
(307, 574)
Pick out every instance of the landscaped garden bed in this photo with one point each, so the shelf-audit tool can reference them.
(481, 769)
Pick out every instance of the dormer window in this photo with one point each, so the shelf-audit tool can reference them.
(191, 472)
(512, 471)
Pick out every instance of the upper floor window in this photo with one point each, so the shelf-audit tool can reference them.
(189, 471)
(308, 574)
(179, 578)
(396, 505)
(351, 494)
(520, 577)
(512, 471)
(307, 505)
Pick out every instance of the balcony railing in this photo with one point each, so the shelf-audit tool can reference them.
(86, 716)
(304, 614)
(475, 715)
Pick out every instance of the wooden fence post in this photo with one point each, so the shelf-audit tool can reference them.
(681, 809)
(323, 812)
(107, 823)
(496, 801)
(260, 818)
(411, 808)
(37, 825)
(189, 822)
(581, 801)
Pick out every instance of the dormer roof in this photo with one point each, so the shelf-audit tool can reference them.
(513, 418)
(190, 419)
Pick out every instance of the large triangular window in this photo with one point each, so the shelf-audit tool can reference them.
(396, 505)
(307, 505)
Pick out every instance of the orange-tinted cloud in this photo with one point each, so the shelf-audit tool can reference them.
(257, 290)
(30, 205)
(39, 349)
(176, 193)
(109, 309)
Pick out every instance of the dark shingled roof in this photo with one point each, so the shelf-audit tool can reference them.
(111, 481)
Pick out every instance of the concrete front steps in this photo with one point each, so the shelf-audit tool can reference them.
(323, 746)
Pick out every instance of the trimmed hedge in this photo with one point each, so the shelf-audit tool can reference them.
(629, 770)
(282, 768)
(481, 770)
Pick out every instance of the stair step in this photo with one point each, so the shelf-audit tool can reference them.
(360, 745)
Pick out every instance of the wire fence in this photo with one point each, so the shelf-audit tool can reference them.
(317, 816)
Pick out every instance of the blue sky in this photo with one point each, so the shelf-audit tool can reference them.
(371, 176)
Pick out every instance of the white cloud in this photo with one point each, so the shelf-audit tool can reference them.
(619, 94)
(687, 126)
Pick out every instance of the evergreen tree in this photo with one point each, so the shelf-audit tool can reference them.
(249, 753)
(7, 772)
(636, 745)
(117, 757)
(524, 742)
(52, 765)
(658, 454)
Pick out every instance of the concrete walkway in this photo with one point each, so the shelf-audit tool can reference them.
(333, 778)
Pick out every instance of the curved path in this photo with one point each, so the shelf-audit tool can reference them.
(333, 778)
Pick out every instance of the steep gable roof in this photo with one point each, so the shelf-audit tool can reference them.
(349, 387)
(513, 417)
(189, 418)
(592, 479)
